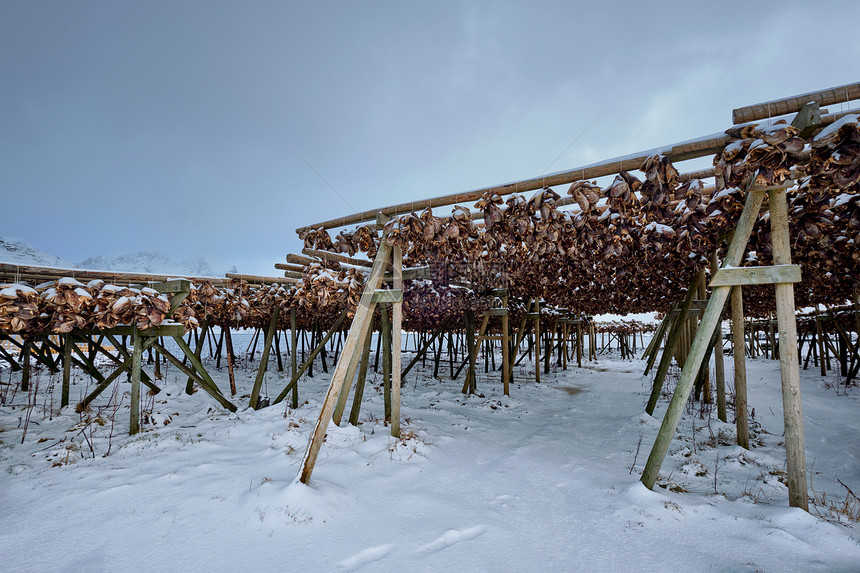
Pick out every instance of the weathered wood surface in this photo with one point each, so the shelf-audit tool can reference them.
(789, 363)
(756, 275)
(740, 359)
(256, 279)
(254, 402)
(396, 324)
(839, 94)
(384, 296)
(116, 277)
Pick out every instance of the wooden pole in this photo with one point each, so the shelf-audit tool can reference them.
(653, 349)
(228, 343)
(536, 329)
(67, 369)
(719, 365)
(819, 334)
(741, 422)
(264, 359)
(788, 359)
(840, 94)
(362, 376)
(506, 344)
(710, 318)
(189, 386)
(385, 326)
(294, 357)
(396, 322)
(351, 369)
(470, 386)
(579, 345)
(25, 364)
(134, 424)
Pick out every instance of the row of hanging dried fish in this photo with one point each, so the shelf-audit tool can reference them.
(634, 245)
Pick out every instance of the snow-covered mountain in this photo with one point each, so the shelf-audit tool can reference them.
(155, 262)
(20, 251)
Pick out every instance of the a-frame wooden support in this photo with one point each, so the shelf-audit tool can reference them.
(723, 281)
(361, 325)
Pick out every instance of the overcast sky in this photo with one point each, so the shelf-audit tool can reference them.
(131, 125)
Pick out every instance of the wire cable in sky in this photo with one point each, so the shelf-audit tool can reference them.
(306, 162)
(593, 121)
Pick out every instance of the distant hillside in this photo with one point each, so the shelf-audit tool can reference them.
(154, 262)
(20, 251)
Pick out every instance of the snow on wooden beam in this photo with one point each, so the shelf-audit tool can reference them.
(840, 94)
(13, 271)
(700, 147)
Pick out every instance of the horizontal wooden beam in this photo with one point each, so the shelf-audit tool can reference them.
(776, 274)
(840, 94)
(336, 257)
(381, 296)
(174, 286)
(412, 274)
(709, 145)
(261, 280)
(495, 312)
(288, 267)
(17, 272)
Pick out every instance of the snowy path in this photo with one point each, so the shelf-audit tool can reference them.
(485, 483)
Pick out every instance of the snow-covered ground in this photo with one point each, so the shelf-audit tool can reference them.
(538, 480)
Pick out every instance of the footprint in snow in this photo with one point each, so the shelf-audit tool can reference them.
(366, 557)
(452, 537)
(503, 502)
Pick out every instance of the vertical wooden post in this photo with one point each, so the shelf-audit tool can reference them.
(337, 415)
(264, 359)
(719, 365)
(562, 347)
(592, 346)
(536, 329)
(819, 335)
(788, 360)
(362, 376)
(385, 326)
(189, 386)
(294, 357)
(738, 339)
(228, 344)
(506, 342)
(137, 352)
(396, 323)
(579, 344)
(25, 364)
(67, 369)
(548, 338)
